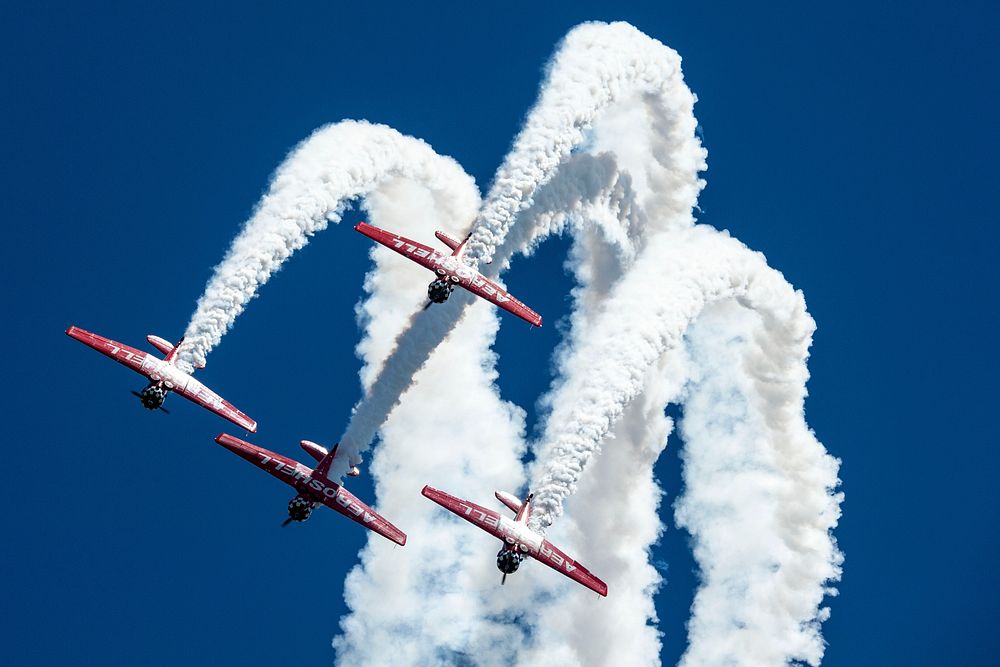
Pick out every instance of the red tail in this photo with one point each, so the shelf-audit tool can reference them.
(169, 350)
(323, 467)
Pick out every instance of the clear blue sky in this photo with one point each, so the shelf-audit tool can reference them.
(854, 145)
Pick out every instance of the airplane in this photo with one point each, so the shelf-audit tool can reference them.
(163, 374)
(450, 270)
(313, 486)
(519, 540)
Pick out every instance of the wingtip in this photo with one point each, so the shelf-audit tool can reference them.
(401, 541)
(426, 490)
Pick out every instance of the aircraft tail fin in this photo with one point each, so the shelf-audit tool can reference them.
(167, 348)
(323, 468)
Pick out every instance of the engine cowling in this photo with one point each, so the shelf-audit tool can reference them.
(508, 561)
(439, 290)
(152, 396)
(299, 508)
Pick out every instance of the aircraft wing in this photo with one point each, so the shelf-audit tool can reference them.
(475, 514)
(159, 370)
(195, 391)
(282, 467)
(123, 354)
(300, 476)
(547, 553)
(444, 265)
(348, 504)
(483, 287)
(423, 255)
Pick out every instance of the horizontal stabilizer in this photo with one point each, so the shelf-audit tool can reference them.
(510, 500)
(447, 240)
(164, 346)
(318, 452)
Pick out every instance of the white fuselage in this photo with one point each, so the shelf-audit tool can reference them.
(174, 378)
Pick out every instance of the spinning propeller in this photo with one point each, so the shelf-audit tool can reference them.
(140, 397)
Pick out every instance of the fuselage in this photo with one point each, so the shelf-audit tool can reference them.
(519, 540)
(450, 268)
(309, 485)
(165, 373)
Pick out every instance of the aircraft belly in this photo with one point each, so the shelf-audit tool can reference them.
(518, 533)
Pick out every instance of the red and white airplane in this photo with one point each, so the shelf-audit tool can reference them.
(163, 374)
(313, 486)
(450, 271)
(519, 540)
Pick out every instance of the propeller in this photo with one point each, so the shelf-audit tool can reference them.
(503, 579)
(427, 305)
(286, 522)
(139, 396)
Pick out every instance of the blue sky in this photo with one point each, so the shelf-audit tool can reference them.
(852, 146)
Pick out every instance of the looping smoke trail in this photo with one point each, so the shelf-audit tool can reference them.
(647, 314)
(650, 285)
(631, 65)
(596, 66)
(587, 187)
(665, 311)
(311, 188)
(758, 498)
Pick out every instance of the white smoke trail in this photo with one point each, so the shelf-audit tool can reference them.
(452, 430)
(757, 499)
(631, 66)
(587, 187)
(638, 298)
(313, 187)
(646, 276)
(785, 487)
(597, 66)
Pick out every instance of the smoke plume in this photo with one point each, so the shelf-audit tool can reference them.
(665, 310)
(609, 154)
(312, 188)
